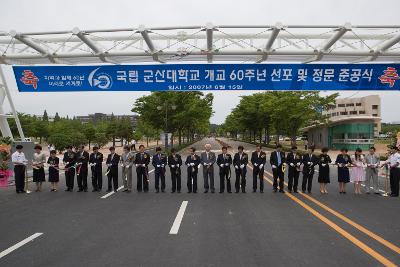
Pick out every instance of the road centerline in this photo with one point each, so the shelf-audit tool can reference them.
(178, 219)
(19, 244)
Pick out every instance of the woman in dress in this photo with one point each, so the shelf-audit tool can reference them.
(39, 159)
(53, 162)
(357, 174)
(343, 162)
(323, 176)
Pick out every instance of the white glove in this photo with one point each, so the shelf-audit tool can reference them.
(273, 166)
(242, 166)
(226, 164)
(137, 165)
(255, 164)
(198, 166)
(143, 165)
(309, 163)
(298, 164)
(109, 165)
(236, 167)
(221, 165)
(172, 166)
(158, 166)
(177, 165)
(191, 164)
(261, 165)
(323, 164)
(162, 165)
(291, 164)
(122, 165)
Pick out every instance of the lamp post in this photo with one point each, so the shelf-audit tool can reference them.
(166, 106)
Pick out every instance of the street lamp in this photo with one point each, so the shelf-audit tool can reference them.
(166, 106)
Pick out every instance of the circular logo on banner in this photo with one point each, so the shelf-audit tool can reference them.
(100, 80)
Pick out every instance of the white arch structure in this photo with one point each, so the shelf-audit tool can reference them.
(210, 43)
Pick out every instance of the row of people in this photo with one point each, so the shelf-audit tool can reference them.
(78, 162)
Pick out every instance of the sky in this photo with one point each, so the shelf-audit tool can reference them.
(46, 15)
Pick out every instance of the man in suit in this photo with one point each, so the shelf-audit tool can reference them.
(293, 159)
(142, 160)
(207, 160)
(277, 161)
(192, 162)
(96, 162)
(240, 161)
(69, 160)
(309, 161)
(258, 159)
(82, 160)
(175, 163)
(127, 159)
(159, 162)
(224, 162)
(112, 170)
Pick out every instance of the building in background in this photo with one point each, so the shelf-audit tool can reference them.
(96, 117)
(353, 123)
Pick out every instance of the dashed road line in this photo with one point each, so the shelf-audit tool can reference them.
(19, 244)
(178, 219)
(118, 189)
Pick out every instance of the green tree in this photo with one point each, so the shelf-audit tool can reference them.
(45, 116)
(90, 132)
(60, 141)
(100, 139)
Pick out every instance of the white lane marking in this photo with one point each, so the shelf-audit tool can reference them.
(118, 189)
(19, 244)
(177, 223)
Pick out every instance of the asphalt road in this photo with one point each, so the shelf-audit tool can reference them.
(252, 229)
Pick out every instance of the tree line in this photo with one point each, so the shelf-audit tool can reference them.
(276, 113)
(70, 131)
(184, 114)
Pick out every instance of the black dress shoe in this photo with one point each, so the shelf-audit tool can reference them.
(221, 192)
(281, 191)
(295, 191)
(195, 192)
(275, 190)
(173, 191)
(80, 190)
(66, 190)
(230, 192)
(108, 191)
(243, 191)
(254, 190)
(189, 192)
(115, 190)
(162, 190)
(261, 191)
(237, 191)
(157, 191)
(205, 191)
(84, 190)
(309, 192)
(94, 190)
(290, 191)
(179, 191)
(212, 191)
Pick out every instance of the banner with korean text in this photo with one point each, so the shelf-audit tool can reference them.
(192, 77)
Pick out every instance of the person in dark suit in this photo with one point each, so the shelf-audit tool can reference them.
(192, 162)
(175, 163)
(323, 174)
(309, 161)
(96, 162)
(69, 161)
(82, 160)
(277, 161)
(293, 159)
(240, 161)
(112, 170)
(159, 162)
(142, 160)
(343, 161)
(258, 159)
(224, 161)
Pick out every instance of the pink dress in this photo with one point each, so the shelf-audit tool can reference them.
(357, 171)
